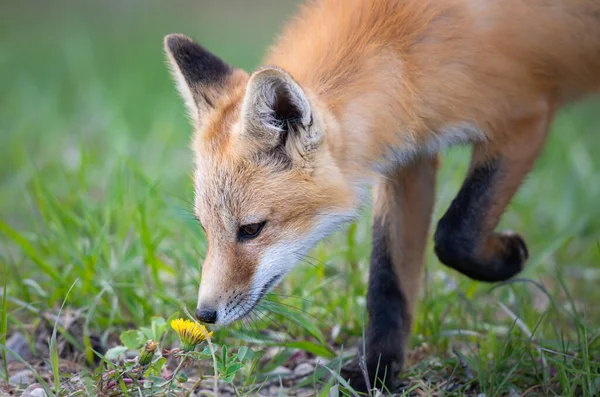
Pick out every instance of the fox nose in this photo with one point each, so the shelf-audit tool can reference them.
(208, 316)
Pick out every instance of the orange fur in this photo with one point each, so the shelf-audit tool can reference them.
(360, 93)
(408, 69)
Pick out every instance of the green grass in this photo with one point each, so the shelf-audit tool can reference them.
(95, 185)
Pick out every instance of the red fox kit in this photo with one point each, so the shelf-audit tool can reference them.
(360, 94)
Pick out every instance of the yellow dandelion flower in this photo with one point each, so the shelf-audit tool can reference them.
(190, 333)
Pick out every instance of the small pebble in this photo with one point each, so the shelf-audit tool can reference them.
(38, 393)
(514, 393)
(18, 344)
(304, 369)
(22, 378)
(281, 370)
(29, 392)
(334, 391)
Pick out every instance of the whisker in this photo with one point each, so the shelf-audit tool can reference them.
(316, 266)
(296, 308)
(253, 326)
(186, 201)
(274, 324)
(285, 296)
(320, 263)
(292, 297)
(259, 316)
(251, 320)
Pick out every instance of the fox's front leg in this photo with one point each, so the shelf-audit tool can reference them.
(465, 239)
(402, 206)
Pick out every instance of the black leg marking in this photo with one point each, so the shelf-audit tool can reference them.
(389, 323)
(460, 239)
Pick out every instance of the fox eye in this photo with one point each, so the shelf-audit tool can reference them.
(250, 231)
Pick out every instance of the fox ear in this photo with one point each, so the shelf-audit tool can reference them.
(277, 110)
(200, 75)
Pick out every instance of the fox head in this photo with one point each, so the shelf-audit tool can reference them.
(267, 187)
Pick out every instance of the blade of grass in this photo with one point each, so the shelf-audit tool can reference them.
(519, 323)
(54, 347)
(86, 327)
(296, 317)
(30, 250)
(41, 380)
(343, 382)
(4, 327)
(317, 350)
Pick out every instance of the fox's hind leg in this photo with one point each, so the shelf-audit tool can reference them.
(465, 239)
(402, 207)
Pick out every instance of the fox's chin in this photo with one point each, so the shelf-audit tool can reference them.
(251, 300)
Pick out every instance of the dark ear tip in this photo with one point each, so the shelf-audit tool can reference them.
(174, 41)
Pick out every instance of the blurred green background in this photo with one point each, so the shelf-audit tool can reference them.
(95, 178)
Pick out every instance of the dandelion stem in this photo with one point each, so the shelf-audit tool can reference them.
(176, 372)
(212, 352)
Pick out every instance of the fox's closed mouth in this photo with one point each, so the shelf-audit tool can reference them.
(267, 287)
(261, 293)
